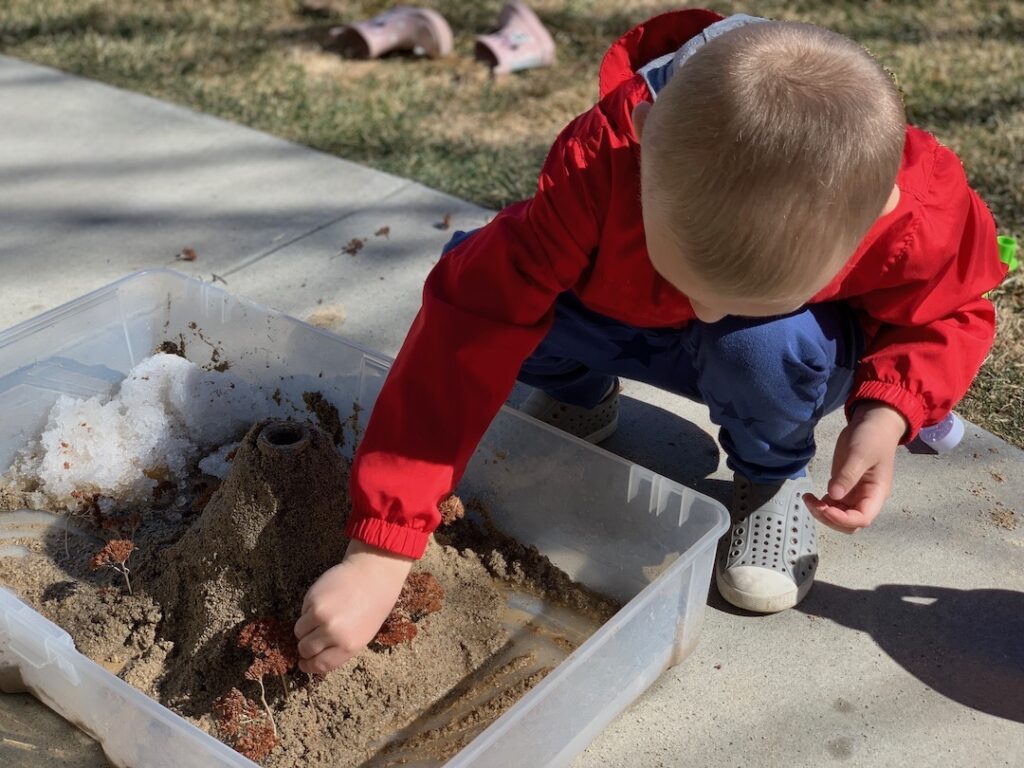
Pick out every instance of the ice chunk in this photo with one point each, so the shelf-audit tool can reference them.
(217, 464)
(167, 412)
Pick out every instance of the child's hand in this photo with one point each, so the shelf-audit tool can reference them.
(862, 469)
(346, 606)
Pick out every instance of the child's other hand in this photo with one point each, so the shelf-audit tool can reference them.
(347, 605)
(862, 469)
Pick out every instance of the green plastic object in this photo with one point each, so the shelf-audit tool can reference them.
(1008, 251)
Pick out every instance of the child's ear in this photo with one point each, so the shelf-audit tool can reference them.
(640, 112)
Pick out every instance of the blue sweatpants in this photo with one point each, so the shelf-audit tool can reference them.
(767, 382)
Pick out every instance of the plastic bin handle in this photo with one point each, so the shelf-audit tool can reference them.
(34, 640)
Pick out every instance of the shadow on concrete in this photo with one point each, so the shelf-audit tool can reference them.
(967, 644)
(663, 442)
(666, 443)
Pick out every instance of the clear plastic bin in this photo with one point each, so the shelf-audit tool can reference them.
(611, 524)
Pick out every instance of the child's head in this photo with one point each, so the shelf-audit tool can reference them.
(765, 160)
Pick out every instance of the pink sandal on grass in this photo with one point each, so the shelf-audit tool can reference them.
(423, 31)
(522, 42)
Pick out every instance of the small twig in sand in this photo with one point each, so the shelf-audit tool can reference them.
(263, 698)
(275, 653)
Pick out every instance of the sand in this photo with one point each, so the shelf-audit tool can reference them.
(204, 569)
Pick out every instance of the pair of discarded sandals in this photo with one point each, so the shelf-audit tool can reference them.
(521, 41)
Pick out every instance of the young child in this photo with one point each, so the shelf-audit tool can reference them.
(744, 218)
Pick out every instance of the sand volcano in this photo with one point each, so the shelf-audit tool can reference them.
(273, 526)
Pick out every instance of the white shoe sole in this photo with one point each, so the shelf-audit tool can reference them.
(760, 603)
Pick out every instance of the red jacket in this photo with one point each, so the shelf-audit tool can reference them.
(918, 280)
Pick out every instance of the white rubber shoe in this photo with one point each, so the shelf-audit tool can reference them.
(772, 553)
(590, 424)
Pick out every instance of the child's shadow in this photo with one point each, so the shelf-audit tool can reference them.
(967, 644)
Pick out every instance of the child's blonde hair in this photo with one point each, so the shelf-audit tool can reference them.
(769, 154)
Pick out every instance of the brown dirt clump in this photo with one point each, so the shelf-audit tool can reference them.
(326, 415)
(1004, 518)
(452, 509)
(172, 347)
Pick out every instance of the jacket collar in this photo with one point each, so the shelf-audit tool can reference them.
(655, 38)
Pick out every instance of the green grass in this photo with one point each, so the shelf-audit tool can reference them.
(449, 125)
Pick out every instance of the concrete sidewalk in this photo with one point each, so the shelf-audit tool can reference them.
(908, 651)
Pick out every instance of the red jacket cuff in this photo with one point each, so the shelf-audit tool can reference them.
(903, 400)
(381, 534)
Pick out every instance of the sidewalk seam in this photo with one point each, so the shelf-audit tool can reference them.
(331, 222)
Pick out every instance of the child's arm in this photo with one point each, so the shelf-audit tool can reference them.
(486, 306)
(935, 328)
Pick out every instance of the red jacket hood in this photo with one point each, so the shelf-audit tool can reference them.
(645, 42)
